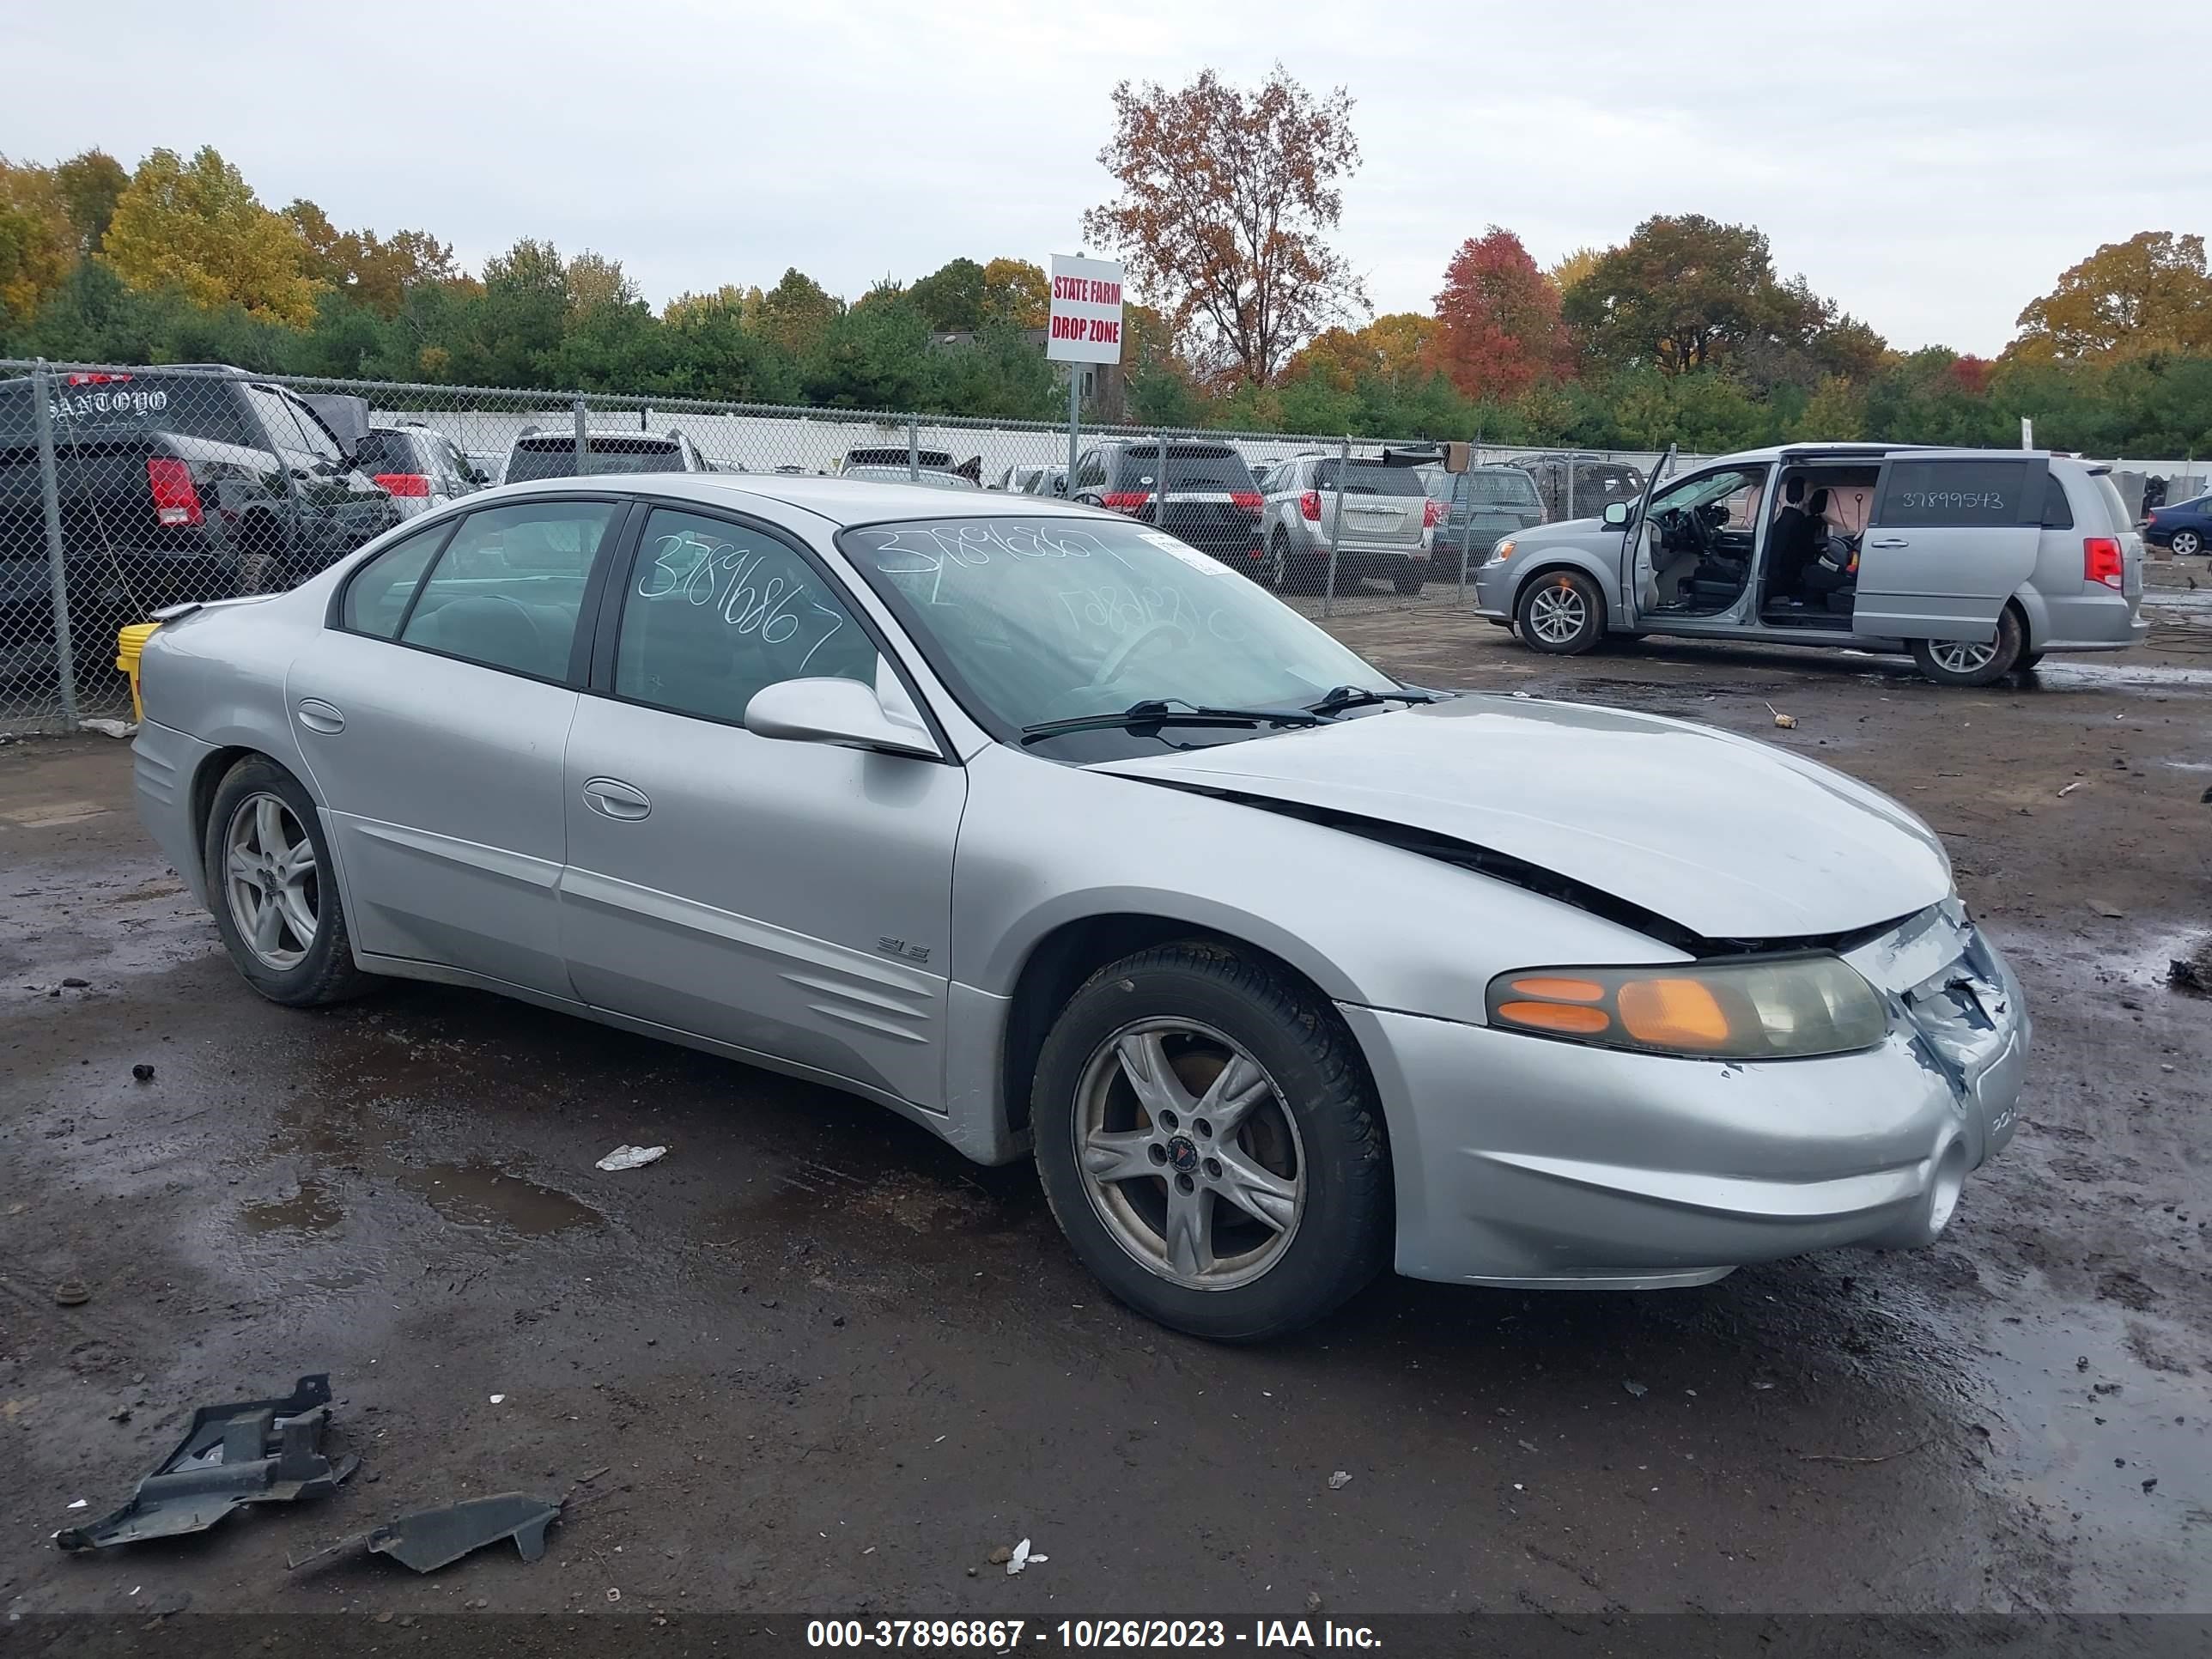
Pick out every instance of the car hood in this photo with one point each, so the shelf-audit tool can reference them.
(1563, 530)
(1726, 838)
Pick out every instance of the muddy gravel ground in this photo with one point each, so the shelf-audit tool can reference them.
(813, 1361)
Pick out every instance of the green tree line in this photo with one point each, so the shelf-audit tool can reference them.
(1685, 332)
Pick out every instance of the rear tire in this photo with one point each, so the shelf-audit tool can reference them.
(1183, 1075)
(1410, 581)
(271, 887)
(1560, 613)
(1292, 574)
(2187, 544)
(1962, 662)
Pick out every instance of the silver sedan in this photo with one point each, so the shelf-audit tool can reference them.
(1052, 835)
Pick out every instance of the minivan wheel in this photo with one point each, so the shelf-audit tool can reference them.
(270, 884)
(1560, 612)
(1968, 662)
(2187, 543)
(1208, 1140)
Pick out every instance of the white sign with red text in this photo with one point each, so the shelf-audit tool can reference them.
(1086, 311)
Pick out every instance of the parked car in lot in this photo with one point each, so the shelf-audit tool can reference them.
(1480, 505)
(1977, 561)
(174, 485)
(418, 466)
(1580, 486)
(1389, 519)
(1030, 823)
(1212, 501)
(551, 452)
(2183, 526)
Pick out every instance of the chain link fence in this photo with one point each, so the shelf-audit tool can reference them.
(124, 489)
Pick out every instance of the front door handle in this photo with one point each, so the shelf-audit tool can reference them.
(319, 716)
(611, 797)
(1889, 541)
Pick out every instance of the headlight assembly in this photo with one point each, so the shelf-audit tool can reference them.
(1765, 1008)
(1502, 552)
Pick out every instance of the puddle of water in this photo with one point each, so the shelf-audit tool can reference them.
(314, 1209)
(2090, 1422)
(479, 1194)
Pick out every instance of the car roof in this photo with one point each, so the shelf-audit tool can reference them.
(840, 500)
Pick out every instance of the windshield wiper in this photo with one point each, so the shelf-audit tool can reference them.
(1338, 698)
(1157, 711)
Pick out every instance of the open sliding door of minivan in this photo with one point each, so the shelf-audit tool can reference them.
(1954, 536)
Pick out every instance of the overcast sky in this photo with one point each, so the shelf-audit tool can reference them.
(1930, 166)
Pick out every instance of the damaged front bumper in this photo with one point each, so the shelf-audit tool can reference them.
(1525, 1162)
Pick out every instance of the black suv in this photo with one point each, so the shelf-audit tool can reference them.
(1213, 503)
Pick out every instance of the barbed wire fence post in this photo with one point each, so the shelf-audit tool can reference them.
(56, 561)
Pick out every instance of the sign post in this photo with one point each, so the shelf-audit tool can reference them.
(1085, 327)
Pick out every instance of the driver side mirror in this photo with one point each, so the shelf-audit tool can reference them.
(1616, 515)
(842, 712)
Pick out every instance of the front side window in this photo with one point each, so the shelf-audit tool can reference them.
(1955, 495)
(1035, 619)
(376, 598)
(716, 611)
(1730, 493)
(508, 588)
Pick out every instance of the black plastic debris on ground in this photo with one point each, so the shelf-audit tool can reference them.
(433, 1538)
(257, 1451)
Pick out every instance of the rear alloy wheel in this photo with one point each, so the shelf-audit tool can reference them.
(1973, 662)
(1560, 613)
(1207, 1139)
(1288, 573)
(2187, 543)
(268, 883)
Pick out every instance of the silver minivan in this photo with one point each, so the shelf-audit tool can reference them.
(1976, 561)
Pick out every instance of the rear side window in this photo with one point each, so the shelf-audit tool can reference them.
(509, 586)
(1953, 495)
(2116, 508)
(376, 598)
(2057, 511)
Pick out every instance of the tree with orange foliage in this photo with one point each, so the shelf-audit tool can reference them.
(1499, 319)
(1226, 197)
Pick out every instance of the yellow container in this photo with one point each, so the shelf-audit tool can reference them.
(128, 642)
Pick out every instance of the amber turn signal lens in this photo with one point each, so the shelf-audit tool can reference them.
(1672, 1013)
(1555, 1016)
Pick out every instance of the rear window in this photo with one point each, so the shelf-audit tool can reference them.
(125, 406)
(1370, 478)
(1190, 466)
(385, 452)
(1953, 495)
(555, 458)
(1502, 489)
(2116, 507)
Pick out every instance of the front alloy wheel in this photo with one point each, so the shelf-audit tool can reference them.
(1208, 1138)
(1189, 1156)
(1560, 613)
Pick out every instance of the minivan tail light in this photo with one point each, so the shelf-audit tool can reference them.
(1123, 500)
(2101, 562)
(403, 484)
(1432, 514)
(176, 502)
(1249, 499)
(1309, 506)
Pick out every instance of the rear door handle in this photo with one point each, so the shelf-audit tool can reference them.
(319, 716)
(611, 797)
(1889, 541)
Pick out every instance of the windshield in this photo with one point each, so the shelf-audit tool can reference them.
(1035, 619)
(555, 458)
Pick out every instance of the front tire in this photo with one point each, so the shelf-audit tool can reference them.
(1560, 613)
(1964, 662)
(1208, 1140)
(270, 885)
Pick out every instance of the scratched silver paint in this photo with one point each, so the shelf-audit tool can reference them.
(753, 920)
